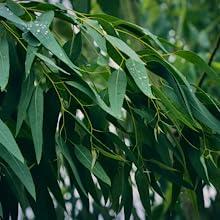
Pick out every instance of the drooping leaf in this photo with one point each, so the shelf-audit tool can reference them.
(73, 47)
(65, 151)
(9, 15)
(93, 29)
(26, 94)
(140, 76)
(8, 141)
(85, 157)
(35, 115)
(143, 188)
(20, 169)
(123, 47)
(30, 55)
(4, 60)
(40, 29)
(116, 89)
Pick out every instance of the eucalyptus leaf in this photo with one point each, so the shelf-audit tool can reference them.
(140, 76)
(85, 158)
(4, 61)
(7, 140)
(35, 115)
(116, 88)
(20, 169)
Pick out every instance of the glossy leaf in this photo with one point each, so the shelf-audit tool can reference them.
(140, 76)
(116, 89)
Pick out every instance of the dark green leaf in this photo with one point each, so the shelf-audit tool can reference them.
(85, 157)
(4, 61)
(35, 115)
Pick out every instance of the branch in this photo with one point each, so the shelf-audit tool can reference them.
(210, 62)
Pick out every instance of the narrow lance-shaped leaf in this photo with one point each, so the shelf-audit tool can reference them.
(123, 47)
(143, 188)
(15, 7)
(8, 141)
(140, 76)
(26, 94)
(116, 89)
(85, 157)
(30, 55)
(4, 60)
(65, 151)
(40, 29)
(93, 29)
(20, 169)
(35, 114)
(10, 16)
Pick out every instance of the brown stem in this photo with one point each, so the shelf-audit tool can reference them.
(210, 62)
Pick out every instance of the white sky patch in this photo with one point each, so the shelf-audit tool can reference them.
(209, 193)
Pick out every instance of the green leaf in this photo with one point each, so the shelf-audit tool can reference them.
(140, 76)
(35, 115)
(63, 148)
(10, 16)
(8, 141)
(93, 29)
(143, 188)
(90, 92)
(30, 55)
(73, 47)
(26, 94)
(123, 47)
(50, 63)
(116, 89)
(40, 29)
(15, 7)
(85, 157)
(4, 61)
(20, 169)
(202, 113)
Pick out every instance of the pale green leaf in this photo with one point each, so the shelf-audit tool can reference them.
(140, 76)
(116, 89)
(123, 47)
(40, 29)
(10, 16)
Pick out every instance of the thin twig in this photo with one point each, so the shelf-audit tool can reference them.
(210, 62)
